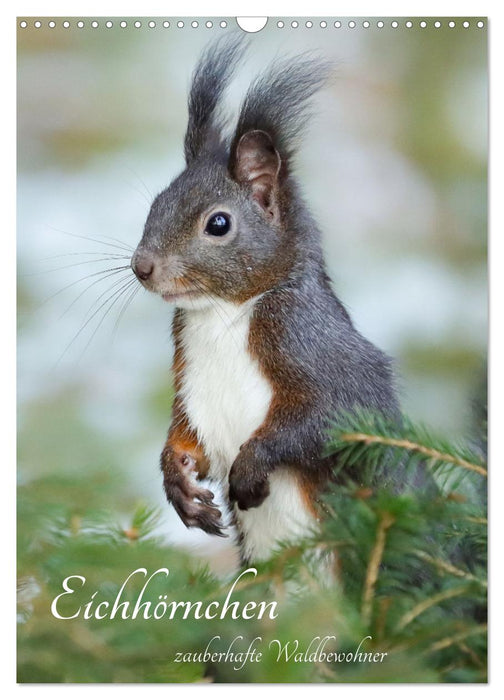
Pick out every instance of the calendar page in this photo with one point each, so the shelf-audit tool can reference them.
(252, 340)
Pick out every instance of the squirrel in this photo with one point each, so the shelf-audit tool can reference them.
(265, 354)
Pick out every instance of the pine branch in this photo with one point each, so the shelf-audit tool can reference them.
(431, 452)
(428, 603)
(449, 568)
(448, 641)
(375, 448)
(375, 560)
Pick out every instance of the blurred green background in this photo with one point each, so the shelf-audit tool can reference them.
(393, 164)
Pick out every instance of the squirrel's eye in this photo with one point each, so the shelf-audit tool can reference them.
(218, 224)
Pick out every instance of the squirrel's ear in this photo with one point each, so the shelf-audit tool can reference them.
(256, 162)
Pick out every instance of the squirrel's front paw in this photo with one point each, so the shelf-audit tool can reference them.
(193, 504)
(248, 482)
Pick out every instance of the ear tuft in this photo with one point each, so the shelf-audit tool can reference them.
(210, 79)
(257, 163)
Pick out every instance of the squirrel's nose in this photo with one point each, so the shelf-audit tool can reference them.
(143, 265)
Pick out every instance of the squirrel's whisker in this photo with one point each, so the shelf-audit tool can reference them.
(88, 252)
(145, 197)
(101, 279)
(117, 244)
(114, 285)
(77, 264)
(87, 321)
(111, 270)
(113, 299)
(128, 301)
(149, 193)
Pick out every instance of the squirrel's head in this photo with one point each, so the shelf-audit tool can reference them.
(220, 229)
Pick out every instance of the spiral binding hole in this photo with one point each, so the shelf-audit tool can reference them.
(280, 24)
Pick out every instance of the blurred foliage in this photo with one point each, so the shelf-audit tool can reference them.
(410, 575)
(444, 361)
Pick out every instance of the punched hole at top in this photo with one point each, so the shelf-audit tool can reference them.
(251, 24)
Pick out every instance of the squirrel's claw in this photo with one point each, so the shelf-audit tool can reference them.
(195, 507)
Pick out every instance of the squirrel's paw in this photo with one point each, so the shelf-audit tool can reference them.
(195, 506)
(248, 484)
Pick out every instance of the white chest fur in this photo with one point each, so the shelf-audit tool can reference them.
(226, 397)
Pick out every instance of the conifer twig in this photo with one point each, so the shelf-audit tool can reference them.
(375, 559)
(449, 568)
(428, 603)
(448, 641)
(414, 447)
(474, 657)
